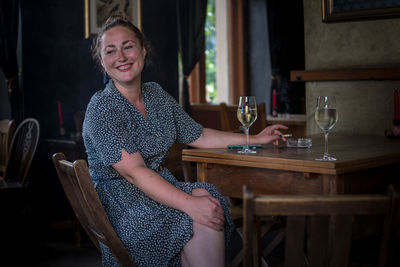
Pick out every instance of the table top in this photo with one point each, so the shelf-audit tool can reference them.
(353, 153)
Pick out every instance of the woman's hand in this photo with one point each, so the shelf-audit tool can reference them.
(270, 134)
(207, 211)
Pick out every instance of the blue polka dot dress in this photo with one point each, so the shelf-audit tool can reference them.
(154, 234)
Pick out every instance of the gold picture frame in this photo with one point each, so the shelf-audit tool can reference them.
(347, 10)
(97, 12)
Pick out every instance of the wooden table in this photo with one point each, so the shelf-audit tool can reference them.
(73, 149)
(365, 164)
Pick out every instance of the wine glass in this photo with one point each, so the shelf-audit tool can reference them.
(326, 117)
(247, 114)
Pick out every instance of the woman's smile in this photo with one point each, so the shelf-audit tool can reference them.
(125, 67)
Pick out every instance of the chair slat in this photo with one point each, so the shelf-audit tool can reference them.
(318, 240)
(340, 237)
(294, 246)
(322, 205)
(22, 149)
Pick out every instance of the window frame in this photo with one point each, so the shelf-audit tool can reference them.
(237, 70)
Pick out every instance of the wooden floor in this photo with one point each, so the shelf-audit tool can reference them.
(58, 250)
(25, 241)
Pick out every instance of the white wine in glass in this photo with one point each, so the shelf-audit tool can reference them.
(247, 114)
(326, 117)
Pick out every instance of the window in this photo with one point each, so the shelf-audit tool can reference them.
(220, 76)
(210, 52)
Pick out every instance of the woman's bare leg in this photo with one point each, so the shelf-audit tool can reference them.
(183, 260)
(207, 246)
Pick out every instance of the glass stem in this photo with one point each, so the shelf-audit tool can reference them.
(247, 137)
(326, 144)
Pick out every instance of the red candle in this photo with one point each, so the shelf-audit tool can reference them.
(396, 104)
(274, 99)
(60, 116)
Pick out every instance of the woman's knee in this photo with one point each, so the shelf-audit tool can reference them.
(200, 192)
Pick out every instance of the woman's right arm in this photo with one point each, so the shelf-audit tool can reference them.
(205, 210)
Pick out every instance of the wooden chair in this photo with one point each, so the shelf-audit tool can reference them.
(329, 220)
(7, 128)
(173, 162)
(210, 116)
(22, 149)
(234, 124)
(224, 117)
(85, 202)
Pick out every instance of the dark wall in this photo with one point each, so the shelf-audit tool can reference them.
(259, 63)
(58, 66)
(160, 28)
(57, 62)
(286, 40)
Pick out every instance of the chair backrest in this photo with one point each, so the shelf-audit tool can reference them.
(22, 149)
(224, 117)
(7, 128)
(329, 220)
(209, 115)
(173, 162)
(234, 124)
(79, 189)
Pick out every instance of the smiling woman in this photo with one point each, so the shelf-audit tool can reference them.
(128, 130)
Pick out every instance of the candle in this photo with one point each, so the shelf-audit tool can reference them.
(274, 109)
(396, 104)
(60, 116)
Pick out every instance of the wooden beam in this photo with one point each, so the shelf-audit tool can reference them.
(345, 75)
(197, 82)
(236, 50)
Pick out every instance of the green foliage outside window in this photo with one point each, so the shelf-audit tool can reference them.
(210, 53)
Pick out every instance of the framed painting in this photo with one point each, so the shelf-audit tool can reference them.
(349, 10)
(97, 12)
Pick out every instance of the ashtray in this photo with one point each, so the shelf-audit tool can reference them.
(299, 142)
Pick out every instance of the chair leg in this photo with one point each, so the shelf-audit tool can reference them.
(77, 228)
(265, 228)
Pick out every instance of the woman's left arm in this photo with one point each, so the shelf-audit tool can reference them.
(211, 138)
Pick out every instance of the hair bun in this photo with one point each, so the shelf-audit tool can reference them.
(115, 17)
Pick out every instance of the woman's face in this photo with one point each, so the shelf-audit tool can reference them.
(122, 55)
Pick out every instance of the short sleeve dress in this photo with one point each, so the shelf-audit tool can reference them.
(154, 234)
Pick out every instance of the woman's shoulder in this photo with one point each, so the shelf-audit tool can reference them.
(100, 98)
(155, 90)
(103, 102)
(153, 87)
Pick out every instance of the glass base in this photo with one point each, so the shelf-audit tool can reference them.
(247, 151)
(326, 157)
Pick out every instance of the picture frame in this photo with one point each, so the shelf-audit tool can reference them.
(350, 10)
(97, 12)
